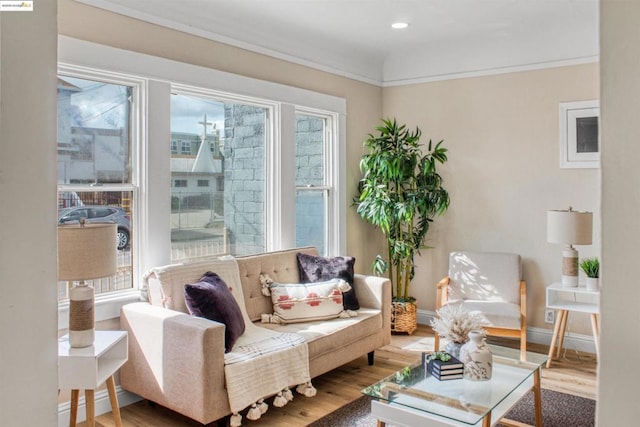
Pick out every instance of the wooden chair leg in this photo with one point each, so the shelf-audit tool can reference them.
(436, 342)
(73, 417)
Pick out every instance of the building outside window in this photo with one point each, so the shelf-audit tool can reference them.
(230, 217)
(96, 140)
(312, 186)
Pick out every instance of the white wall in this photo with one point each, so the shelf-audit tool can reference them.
(503, 173)
(618, 373)
(28, 304)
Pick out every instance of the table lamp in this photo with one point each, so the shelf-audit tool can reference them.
(570, 228)
(85, 252)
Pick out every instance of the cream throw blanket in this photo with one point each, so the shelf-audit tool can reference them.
(262, 363)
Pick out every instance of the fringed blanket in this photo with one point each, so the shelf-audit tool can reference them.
(262, 363)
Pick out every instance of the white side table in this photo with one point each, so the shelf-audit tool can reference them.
(89, 367)
(565, 299)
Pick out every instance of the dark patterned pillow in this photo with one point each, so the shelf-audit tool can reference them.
(212, 299)
(318, 269)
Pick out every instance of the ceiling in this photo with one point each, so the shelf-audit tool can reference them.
(354, 38)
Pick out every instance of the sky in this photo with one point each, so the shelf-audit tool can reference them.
(104, 105)
(187, 111)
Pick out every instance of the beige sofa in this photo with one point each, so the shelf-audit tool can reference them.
(177, 360)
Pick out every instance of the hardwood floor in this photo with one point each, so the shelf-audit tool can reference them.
(575, 373)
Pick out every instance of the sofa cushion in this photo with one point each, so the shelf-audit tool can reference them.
(303, 302)
(329, 336)
(212, 299)
(318, 268)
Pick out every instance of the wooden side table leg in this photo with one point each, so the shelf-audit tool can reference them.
(90, 404)
(554, 339)
(596, 333)
(563, 329)
(381, 423)
(113, 398)
(537, 397)
(486, 421)
(73, 417)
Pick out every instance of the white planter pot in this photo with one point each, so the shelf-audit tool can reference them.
(593, 283)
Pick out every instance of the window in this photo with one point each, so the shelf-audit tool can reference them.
(96, 140)
(227, 219)
(312, 191)
(111, 153)
(185, 147)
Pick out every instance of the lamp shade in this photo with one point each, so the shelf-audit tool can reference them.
(569, 227)
(87, 252)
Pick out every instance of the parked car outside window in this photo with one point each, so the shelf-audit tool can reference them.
(100, 214)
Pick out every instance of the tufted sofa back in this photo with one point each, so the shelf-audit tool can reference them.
(281, 266)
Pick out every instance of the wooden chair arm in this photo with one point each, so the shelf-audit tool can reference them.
(523, 301)
(443, 292)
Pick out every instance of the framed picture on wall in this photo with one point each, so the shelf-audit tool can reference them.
(579, 137)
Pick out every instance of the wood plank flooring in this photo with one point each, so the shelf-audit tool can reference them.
(575, 373)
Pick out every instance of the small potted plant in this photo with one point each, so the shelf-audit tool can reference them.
(591, 267)
(453, 323)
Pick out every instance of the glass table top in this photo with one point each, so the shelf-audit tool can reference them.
(461, 400)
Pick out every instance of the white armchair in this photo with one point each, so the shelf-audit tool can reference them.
(491, 283)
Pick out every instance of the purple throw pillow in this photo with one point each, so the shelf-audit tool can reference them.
(319, 269)
(212, 299)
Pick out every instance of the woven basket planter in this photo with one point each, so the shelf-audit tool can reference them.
(404, 317)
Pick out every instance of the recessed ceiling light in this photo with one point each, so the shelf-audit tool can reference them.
(399, 25)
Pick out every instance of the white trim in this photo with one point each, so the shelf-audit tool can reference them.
(103, 57)
(282, 169)
(572, 341)
(491, 71)
(103, 405)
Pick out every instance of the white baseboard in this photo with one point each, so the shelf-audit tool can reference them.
(572, 340)
(102, 405)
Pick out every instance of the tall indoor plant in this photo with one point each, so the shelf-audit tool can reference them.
(401, 192)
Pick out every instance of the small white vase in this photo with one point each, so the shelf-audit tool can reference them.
(593, 283)
(477, 358)
(453, 348)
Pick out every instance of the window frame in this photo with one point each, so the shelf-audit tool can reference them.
(109, 303)
(158, 77)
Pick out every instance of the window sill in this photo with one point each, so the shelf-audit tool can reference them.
(107, 306)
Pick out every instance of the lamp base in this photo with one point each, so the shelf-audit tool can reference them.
(81, 315)
(569, 267)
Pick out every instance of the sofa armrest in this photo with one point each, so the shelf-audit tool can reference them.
(175, 360)
(372, 291)
(375, 292)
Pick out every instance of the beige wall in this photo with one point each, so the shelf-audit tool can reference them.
(503, 171)
(620, 348)
(364, 101)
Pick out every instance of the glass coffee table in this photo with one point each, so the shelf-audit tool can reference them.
(412, 397)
